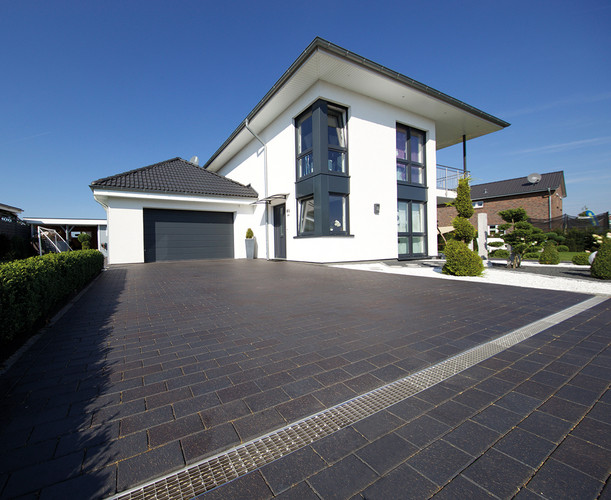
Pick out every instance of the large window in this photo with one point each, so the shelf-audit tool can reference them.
(410, 155)
(411, 228)
(337, 214)
(305, 160)
(322, 184)
(306, 216)
(336, 140)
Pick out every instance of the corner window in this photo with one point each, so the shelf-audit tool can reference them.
(336, 140)
(306, 216)
(410, 155)
(337, 214)
(305, 161)
(322, 184)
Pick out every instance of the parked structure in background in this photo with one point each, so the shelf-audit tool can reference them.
(336, 163)
(540, 195)
(69, 230)
(10, 223)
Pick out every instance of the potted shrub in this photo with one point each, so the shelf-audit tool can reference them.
(250, 244)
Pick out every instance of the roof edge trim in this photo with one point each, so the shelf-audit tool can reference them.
(322, 44)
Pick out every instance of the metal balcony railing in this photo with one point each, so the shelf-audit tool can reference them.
(447, 177)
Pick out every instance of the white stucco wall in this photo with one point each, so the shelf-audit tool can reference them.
(372, 169)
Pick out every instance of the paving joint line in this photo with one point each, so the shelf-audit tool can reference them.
(228, 465)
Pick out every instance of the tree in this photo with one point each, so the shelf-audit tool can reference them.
(460, 260)
(85, 241)
(521, 235)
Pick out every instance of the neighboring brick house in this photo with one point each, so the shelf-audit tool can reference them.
(492, 197)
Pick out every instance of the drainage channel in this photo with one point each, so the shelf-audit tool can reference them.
(219, 469)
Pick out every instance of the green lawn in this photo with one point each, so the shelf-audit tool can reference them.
(564, 256)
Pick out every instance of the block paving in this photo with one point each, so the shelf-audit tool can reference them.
(160, 365)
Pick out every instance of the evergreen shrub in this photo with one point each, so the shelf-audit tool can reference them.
(532, 255)
(499, 253)
(601, 267)
(581, 259)
(460, 261)
(549, 255)
(562, 248)
(496, 244)
(33, 288)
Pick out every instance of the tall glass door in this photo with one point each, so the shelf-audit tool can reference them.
(411, 228)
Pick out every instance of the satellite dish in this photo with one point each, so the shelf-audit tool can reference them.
(534, 178)
(194, 160)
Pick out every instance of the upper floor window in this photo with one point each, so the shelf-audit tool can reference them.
(410, 155)
(478, 204)
(305, 160)
(336, 139)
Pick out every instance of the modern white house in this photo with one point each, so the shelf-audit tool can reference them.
(336, 163)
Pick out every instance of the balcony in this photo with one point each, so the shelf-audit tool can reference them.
(447, 182)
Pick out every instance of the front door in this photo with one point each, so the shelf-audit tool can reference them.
(280, 231)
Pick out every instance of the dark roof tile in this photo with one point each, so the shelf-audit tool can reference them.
(176, 176)
(518, 186)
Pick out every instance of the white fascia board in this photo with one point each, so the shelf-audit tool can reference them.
(103, 196)
(59, 221)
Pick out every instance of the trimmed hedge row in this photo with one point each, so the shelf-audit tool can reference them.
(32, 288)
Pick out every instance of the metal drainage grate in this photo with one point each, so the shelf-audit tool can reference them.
(226, 466)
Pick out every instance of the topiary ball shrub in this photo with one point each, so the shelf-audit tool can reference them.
(549, 255)
(463, 229)
(581, 259)
(562, 248)
(601, 267)
(249, 234)
(460, 261)
(499, 253)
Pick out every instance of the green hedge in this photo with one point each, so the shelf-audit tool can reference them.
(499, 253)
(31, 289)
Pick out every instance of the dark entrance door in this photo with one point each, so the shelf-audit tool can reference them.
(280, 231)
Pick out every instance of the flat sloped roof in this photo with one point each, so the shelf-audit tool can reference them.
(176, 176)
(518, 186)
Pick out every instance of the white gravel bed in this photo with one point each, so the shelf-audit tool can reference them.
(491, 275)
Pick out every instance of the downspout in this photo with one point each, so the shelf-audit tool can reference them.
(265, 194)
(549, 207)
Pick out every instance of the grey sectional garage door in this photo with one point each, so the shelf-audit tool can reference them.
(185, 235)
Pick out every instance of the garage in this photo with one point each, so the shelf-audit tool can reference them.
(187, 235)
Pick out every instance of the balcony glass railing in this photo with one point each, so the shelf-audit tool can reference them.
(447, 177)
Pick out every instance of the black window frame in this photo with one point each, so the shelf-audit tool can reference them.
(408, 163)
(410, 233)
(320, 184)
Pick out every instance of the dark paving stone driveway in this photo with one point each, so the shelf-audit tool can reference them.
(161, 365)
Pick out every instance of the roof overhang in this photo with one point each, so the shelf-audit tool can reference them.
(42, 221)
(102, 196)
(8, 208)
(324, 61)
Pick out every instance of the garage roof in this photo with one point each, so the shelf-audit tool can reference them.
(520, 185)
(175, 176)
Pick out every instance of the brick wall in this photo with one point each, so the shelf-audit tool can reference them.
(536, 206)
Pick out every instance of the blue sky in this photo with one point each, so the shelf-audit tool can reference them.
(91, 89)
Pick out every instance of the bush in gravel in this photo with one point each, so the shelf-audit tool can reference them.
(31, 289)
(581, 259)
(601, 267)
(496, 244)
(460, 261)
(499, 253)
(562, 248)
(549, 255)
